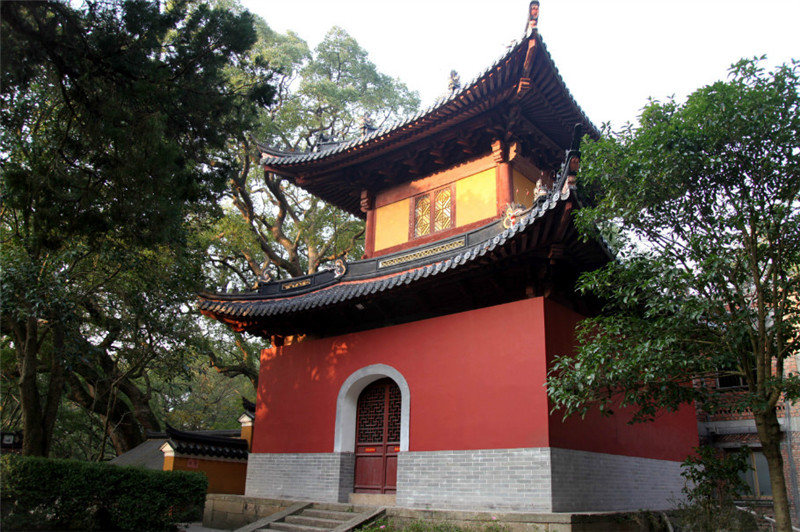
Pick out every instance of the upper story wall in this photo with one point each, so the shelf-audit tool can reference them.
(450, 202)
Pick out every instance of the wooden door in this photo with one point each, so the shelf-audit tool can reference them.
(378, 437)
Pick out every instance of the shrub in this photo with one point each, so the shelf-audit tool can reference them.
(712, 481)
(43, 494)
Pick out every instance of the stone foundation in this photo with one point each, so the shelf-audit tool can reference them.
(597, 482)
(524, 480)
(325, 477)
(230, 512)
(221, 512)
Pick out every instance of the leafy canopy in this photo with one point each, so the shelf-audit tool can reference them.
(115, 122)
(701, 200)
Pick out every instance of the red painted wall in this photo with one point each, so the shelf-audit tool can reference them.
(476, 381)
(671, 437)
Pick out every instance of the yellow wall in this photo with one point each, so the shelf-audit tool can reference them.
(476, 197)
(475, 200)
(223, 477)
(391, 224)
(247, 434)
(524, 190)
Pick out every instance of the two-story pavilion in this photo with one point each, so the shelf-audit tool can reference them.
(419, 371)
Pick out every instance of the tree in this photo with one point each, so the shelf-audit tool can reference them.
(115, 119)
(702, 201)
(206, 400)
(275, 229)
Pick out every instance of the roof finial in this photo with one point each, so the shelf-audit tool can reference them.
(533, 18)
(455, 82)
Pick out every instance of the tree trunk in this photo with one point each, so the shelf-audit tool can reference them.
(27, 344)
(38, 419)
(769, 432)
(126, 425)
(55, 387)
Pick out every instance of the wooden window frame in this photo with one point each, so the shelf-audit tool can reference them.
(431, 194)
(726, 382)
(732, 382)
(751, 477)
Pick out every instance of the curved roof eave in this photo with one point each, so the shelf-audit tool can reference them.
(446, 109)
(363, 278)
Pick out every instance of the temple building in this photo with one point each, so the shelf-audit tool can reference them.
(416, 375)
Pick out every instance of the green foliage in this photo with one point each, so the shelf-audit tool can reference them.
(42, 494)
(338, 84)
(702, 202)
(205, 399)
(116, 119)
(274, 229)
(109, 115)
(713, 480)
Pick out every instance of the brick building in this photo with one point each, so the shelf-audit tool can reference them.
(416, 375)
(729, 430)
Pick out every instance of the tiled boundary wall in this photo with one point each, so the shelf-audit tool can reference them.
(532, 480)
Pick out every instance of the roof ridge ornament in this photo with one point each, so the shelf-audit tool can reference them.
(454, 85)
(366, 125)
(572, 162)
(532, 27)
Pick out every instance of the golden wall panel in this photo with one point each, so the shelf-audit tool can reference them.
(476, 197)
(524, 190)
(391, 224)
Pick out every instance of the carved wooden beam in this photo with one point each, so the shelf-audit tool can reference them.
(499, 151)
(367, 200)
(541, 137)
(439, 154)
(466, 145)
(530, 55)
(523, 86)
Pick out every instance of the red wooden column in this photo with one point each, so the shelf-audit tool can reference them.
(505, 179)
(368, 207)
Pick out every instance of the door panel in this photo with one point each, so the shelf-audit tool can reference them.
(377, 437)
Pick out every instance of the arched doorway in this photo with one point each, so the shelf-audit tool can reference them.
(377, 437)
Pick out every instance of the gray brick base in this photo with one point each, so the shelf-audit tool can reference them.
(528, 480)
(584, 481)
(507, 479)
(324, 477)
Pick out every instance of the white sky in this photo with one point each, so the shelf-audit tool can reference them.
(612, 54)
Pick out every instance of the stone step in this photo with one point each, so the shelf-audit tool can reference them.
(328, 514)
(320, 517)
(316, 521)
(341, 507)
(291, 527)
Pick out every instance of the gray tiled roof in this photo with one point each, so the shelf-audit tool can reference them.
(445, 106)
(207, 444)
(373, 276)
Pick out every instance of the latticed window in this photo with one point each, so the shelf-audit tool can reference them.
(442, 209)
(433, 212)
(422, 216)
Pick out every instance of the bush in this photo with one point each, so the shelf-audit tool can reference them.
(43, 494)
(712, 481)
